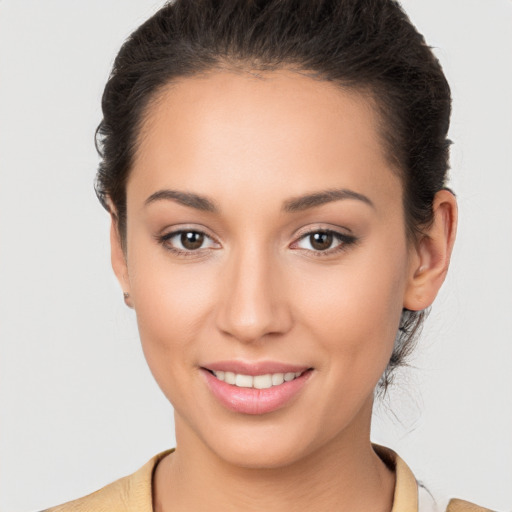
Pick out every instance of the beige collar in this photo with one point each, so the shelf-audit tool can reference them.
(406, 488)
(133, 493)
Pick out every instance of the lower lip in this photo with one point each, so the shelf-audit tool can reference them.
(255, 401)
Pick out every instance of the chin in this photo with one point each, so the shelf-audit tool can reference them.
(258, 443)
(259, 455)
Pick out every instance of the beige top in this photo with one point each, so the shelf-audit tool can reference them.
(133, 493)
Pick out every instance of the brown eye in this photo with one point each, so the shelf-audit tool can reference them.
(191, 240)
(321, 241)
(187, 242)
(324, 242)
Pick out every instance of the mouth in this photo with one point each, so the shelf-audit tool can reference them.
(255, 389)
(265, 381)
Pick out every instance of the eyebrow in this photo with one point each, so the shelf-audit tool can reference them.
(325, 196)
(185, 198)
(295, 204)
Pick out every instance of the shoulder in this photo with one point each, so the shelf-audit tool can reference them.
(456, 505)
(131, 493)
(411, 496)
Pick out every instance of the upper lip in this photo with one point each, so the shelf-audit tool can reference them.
(255, 367)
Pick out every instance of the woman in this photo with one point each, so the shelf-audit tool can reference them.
(275, 174)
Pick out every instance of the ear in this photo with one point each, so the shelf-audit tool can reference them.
(118, 257)
(430, 258)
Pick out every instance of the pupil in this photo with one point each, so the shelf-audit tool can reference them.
(192, 240)
(321, 241)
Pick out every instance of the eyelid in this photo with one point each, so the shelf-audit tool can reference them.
(324, 227)
(167, 234)
(185, 228)
(345, 240)
(172, 234)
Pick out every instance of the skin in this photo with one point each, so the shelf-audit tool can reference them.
(258, 290)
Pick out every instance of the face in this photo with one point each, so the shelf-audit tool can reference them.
(266, 260)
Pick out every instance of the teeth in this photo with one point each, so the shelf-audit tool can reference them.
(258, 381)
(277, 378)
(229, 377)
(244, 381)
(262, 381)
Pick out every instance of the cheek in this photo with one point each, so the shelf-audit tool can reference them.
(355, 313)
(170, 300)
(173, 304)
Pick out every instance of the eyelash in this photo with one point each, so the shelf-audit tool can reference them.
(164, 239)
(344, 242)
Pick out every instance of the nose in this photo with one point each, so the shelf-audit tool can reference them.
(253, 301)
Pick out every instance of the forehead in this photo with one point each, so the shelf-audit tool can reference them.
(266, 129)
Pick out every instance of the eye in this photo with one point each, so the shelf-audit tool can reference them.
(187, 241)
(324, 241)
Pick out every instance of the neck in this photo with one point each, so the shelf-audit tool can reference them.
(344, 475)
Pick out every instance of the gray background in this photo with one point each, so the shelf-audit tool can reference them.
(79, 408)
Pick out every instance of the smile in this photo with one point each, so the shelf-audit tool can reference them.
(256, 381)
(255, 388)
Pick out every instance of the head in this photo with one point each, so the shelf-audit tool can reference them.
(273, 131)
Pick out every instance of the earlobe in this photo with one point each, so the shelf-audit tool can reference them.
(118, 258)
(431, 256)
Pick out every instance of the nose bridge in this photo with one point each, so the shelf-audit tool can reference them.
(253, 303)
